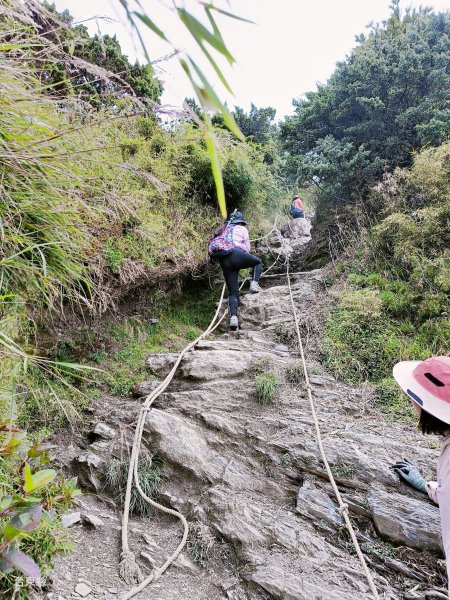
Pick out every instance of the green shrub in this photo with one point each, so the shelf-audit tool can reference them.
(33, 497)
(113, 256)
(266, 386)
(295, 373)
(396, 304)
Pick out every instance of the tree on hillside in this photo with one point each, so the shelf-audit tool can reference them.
(257, 125)
(75, 77)
(388, 98)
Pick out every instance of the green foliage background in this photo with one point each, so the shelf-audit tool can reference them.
(388, 98)
(396, 301)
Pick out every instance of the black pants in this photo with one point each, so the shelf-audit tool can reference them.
(231, 266)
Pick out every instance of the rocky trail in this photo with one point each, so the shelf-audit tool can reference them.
(248, 477)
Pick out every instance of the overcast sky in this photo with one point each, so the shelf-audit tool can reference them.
(293, 45)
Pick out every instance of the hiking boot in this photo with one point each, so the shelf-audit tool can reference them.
(255, 287)
(234, 323)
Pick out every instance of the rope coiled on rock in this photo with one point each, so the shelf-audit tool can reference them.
(343, 507)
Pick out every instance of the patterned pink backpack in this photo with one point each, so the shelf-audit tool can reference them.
(221, 243)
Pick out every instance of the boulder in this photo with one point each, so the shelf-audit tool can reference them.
(282, 348)
(318, 506)
(160, 364)
(183, 444)
(273, 305)
(144, 388)
(298, 230)
(83, 590)
(407, 521)
(70, 518)
(281, 582)
(87, 467)
(92, 520)
(103, 431)
(221, 364)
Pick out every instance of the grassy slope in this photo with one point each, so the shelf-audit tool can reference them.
(393, 291)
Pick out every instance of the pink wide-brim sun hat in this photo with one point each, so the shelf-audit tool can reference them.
(427, 384)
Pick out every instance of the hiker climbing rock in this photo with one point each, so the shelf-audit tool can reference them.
(297, 208)
(427, 384)
(231, 246)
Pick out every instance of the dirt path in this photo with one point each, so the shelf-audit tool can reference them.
(249, 478)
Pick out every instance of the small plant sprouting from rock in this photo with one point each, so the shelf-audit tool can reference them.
(343, 470)
(196, 550)
(284, 334)
(294, 373)
(379, 548)
(150, 478)
(287, 460)
(261, 365)
(266, 386)
(200, 544)
(309, 460)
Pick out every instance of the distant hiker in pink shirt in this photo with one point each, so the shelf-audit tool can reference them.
(297, 208)
(427, 384)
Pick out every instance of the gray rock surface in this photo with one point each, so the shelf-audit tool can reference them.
(408, 521)
(92, 520)
(104, 431)
(83, 590)
(318, 506)
(87, 467)
(144, 388)
(219, 364)
(160, 364)
(70, 518)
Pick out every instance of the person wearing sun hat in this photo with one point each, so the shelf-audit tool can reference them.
(427, 384)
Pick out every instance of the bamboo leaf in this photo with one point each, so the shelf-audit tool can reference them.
(200, 33)
(209, 7)
(215, 167)
(150, 24)
(212, 96)
(75, 366)
(217, 69)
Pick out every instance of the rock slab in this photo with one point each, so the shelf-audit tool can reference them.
(407, 521)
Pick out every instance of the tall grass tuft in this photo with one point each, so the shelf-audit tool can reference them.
(150, 479)
(41, 243)
(266, 386)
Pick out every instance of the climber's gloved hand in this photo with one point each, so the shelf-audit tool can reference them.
(407, 471)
